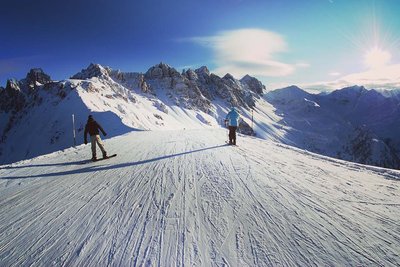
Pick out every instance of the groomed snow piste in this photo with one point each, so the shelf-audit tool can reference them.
(174, 198)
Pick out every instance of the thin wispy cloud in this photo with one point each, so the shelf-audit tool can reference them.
(248, 51)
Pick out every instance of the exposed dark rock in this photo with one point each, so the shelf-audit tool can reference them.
(37, 75)
(253, 84)
(93, 70)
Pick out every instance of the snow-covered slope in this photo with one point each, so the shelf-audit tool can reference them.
(175, 198)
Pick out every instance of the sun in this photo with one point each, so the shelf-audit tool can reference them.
(376, 58)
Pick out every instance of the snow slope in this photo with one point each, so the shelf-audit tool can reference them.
(174, 198)
(353, 123)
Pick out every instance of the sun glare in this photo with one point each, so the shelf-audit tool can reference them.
(376, 58)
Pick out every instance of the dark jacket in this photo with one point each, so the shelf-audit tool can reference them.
(92, 127)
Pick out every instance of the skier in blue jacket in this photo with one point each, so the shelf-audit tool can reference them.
(233, 122)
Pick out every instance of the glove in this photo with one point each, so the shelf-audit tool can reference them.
(85, 142)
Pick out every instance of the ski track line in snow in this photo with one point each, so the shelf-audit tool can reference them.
(338, 208)
(175, 198)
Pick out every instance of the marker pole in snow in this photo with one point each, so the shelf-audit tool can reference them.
(252, 119)
(252, 122)
(73, 128)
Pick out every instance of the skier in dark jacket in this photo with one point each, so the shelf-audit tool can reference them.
(92, 127)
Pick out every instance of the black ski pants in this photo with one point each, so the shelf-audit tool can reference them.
(232, 134)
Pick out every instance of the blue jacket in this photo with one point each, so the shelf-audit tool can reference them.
(233, 118)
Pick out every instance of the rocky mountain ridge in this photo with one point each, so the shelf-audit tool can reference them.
(352, 123)
(191, 88)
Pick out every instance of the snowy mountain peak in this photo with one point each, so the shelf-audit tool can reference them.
(291, 91)
(11, 98)
(191, 74)
(356, 88)
(293, 88)
(203, 71)
(160, 71)
(246, 78)
(37, 75)
(12, 86)
(254, 85)
(287, 94)
(163, 65)
(93, 70)
(351, 91)
(229, 76)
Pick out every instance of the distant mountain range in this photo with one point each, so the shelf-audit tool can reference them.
(353, 123)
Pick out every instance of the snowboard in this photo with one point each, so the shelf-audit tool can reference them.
(111, 156)
(99, 159)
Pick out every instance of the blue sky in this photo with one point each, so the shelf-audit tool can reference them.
(281, 42)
